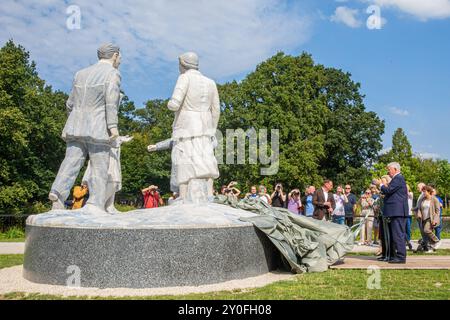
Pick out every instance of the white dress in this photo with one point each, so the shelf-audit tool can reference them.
(195, 102)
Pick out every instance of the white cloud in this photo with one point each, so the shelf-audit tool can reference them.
(429, 155)
(346, 16)
(230, 36)
(384, 151)
(399, 112)
(422, 9)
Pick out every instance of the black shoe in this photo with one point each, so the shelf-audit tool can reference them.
(397, 261)
(382, 258)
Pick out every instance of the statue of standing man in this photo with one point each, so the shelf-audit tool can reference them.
(195, 102)
(90, 128)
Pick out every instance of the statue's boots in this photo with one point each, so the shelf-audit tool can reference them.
(58, 204)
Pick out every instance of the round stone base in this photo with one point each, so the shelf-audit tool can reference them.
(184, 245)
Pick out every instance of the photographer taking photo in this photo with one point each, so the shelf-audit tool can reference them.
(232, 191)
(278, 197)
(152, 197)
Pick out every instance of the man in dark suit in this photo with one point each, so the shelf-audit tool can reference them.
(323, 201)
(396, 210)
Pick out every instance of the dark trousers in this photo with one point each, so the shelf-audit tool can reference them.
(397, 231)
(349, 221)
(384, 236)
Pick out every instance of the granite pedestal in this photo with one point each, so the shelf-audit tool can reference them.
(182, 245)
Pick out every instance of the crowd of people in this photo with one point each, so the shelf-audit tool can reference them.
(386, 210)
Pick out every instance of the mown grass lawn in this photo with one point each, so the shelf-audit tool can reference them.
(333, 284)
(12, 240)
(10, 260)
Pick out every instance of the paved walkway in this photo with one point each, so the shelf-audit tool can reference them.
(412, 263)
(19, 247)
(12, 247)
(374, 249)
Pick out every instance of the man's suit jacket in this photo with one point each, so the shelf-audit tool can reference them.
(93, 104)
(321, 211)
(396, 198)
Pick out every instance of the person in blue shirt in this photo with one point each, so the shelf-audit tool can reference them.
(253, 193)
(307, 202)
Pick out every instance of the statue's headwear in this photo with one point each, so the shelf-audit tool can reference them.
(107, 50)
(189, 60)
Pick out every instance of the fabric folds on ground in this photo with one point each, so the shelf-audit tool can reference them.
(306, 244)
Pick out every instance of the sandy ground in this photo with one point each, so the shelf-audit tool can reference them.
(11, 280)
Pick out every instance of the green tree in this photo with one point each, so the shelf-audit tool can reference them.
(140, 168)
(401, 150)
(324, 127)
(31, 120)
(443, 179)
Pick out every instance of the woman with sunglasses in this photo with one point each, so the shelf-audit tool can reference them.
(366, 202)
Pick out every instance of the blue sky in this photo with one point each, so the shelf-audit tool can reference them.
(404, 67)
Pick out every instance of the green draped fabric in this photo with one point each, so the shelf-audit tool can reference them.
(308, 245)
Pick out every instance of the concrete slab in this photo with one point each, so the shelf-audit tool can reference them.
(412, 263)
(375, 248)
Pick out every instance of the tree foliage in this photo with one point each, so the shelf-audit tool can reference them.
(31, 121)
(415, 168)
(325, 131)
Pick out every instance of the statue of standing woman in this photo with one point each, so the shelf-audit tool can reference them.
(196, 104)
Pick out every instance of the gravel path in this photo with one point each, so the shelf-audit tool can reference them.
(11, 280)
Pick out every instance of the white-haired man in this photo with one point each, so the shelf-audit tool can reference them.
(90, 128)
(396, 210)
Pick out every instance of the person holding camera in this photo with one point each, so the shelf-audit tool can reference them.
(232, 191)
(294, 202)
(338, 215)
(367, 212)
(395, 209)
(152, 197)
(278, 197)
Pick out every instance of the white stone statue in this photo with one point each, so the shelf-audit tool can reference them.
(114, 183)
(90, 128)
(196, 104)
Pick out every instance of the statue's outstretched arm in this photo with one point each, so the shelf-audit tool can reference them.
(160, 146)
